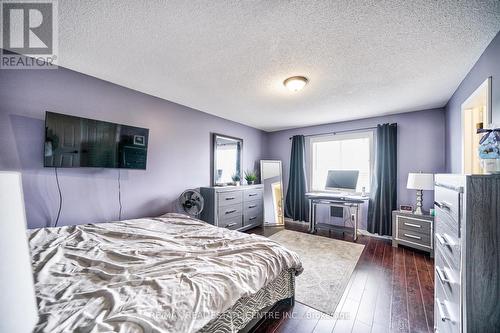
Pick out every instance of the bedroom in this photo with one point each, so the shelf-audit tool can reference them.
(193, 73)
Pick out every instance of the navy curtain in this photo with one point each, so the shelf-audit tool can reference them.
(296, 206)
(384, 182)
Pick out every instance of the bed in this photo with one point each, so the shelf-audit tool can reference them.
(172, 273)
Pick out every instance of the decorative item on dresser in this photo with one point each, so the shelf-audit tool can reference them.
(250, 177)
(467, 270)
(238, 208)
(413, 230)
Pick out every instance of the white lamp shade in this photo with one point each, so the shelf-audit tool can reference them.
(18, 310)
(420, 181)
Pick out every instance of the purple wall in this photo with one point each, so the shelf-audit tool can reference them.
(178, 156)
(487, 65)
(420, 146)
(179, 150)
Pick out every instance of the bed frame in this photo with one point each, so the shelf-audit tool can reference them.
(268, 314)
(251, 312)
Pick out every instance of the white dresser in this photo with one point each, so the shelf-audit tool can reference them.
(233, 207)
(467, 253)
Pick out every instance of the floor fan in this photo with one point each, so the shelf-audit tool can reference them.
(192, 202)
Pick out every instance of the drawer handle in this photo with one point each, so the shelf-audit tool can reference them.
(412, 236)
(412, 225)
(230, 198)
(252, 194)
(230, 225)
(444, 316)
(442, 276)
(252, 218)
(444, 240)
(230, 211)
(443, 205)
(252, 206)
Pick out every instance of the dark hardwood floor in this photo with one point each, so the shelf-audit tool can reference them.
(390, 290)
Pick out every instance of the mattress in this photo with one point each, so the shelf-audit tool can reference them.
(167, 274)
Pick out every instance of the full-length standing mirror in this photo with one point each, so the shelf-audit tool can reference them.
(226, 154)
(270, 173)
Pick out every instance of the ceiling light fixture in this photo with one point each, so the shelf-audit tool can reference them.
(295, 83)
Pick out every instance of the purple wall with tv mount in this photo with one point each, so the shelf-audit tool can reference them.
(178, 152)
(421, 147)
(488, 65)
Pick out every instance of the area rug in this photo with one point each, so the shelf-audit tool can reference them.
(328, 264)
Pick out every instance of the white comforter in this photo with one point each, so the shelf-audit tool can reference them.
(166, 274)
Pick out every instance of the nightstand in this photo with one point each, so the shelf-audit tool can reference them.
(416, 231)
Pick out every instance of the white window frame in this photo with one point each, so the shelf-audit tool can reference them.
(338, 137)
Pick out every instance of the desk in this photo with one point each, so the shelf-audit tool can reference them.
(335, 200)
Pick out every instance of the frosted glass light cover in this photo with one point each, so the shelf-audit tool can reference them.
(295, 83)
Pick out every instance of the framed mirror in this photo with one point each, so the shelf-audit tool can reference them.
(271, 178)
(227, 155)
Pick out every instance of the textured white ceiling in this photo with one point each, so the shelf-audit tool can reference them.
(229, 58)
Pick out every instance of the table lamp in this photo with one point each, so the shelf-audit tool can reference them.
(420, 182)
(18, 310)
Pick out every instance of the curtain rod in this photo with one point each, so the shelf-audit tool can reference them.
(342, 131)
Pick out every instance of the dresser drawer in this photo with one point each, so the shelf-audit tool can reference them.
(253, 194)
(229, 198)
(446, 305)
(446, 239)
(253, 206)
(445, 222)
(414, 237)
(414, 225)
(253, 217)
(230, 211)
(446, 316)
(448, 200)
(449, 248)
(447, 277)
(446, 298)
(231, 223)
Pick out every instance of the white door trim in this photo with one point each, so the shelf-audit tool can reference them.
(465, 106)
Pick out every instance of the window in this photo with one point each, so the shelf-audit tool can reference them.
(341, 152)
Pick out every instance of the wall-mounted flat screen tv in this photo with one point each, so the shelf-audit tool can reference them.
(74, 142)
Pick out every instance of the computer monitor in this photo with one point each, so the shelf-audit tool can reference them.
(342, 180)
